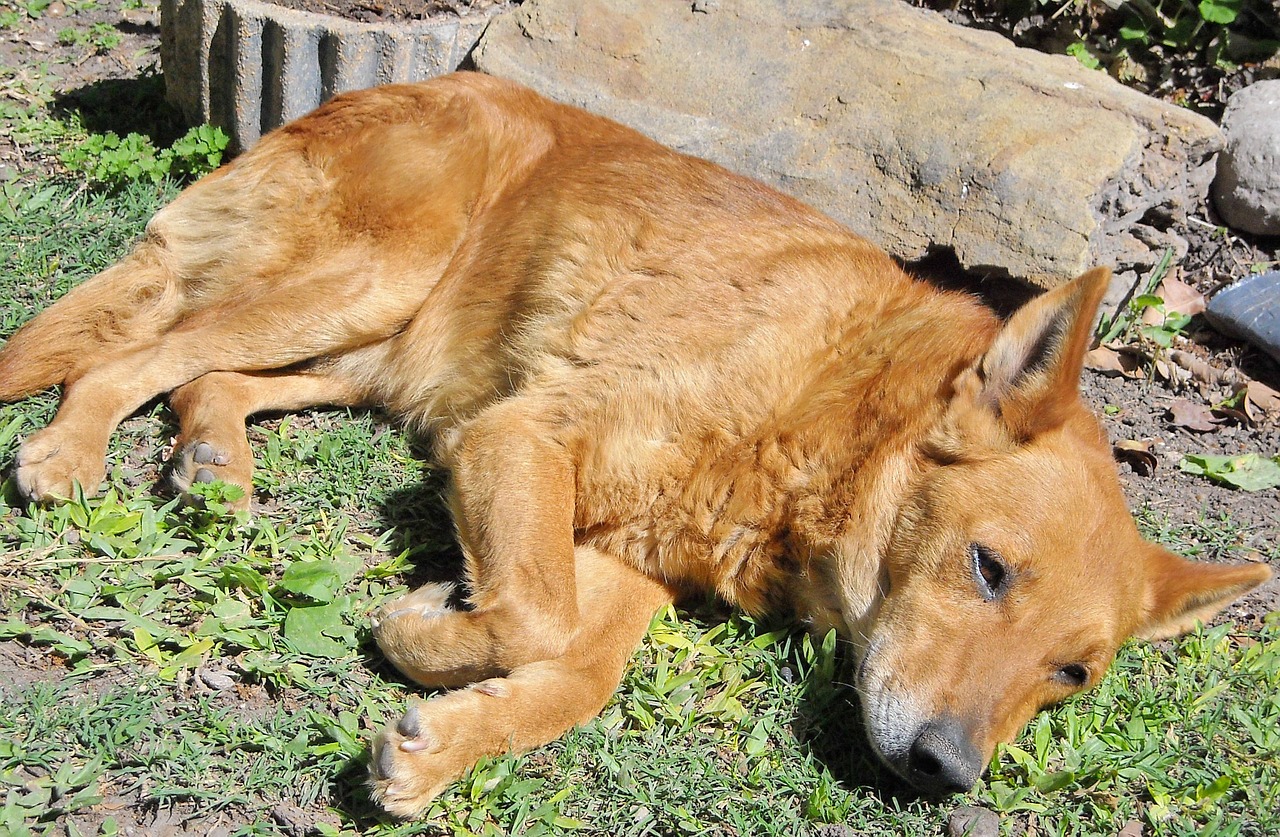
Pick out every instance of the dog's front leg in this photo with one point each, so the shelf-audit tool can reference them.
(438, 740)
(513, 502)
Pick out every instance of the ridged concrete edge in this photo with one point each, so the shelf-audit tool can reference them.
(248, 66)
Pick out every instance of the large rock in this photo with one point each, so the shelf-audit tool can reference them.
(912, 131)
(1247, 189)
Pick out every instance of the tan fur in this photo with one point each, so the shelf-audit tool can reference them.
(647, 375)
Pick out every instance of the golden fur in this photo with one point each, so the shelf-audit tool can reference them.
(647, 375)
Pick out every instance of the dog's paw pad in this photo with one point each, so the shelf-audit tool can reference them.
(203, 461)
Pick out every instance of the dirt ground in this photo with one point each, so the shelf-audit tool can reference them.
(370, 11)
(77, 76)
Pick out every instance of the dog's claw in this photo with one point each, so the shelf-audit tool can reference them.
(385, 762)
(410, 724)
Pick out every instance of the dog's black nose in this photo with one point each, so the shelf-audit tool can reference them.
(943, 760)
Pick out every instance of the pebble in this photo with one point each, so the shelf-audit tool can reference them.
(1246, 190)
(836, 830)
(973, 822)
(143, 18)
(56, 9)
(219, 681)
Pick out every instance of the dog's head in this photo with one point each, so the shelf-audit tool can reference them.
(1015, 571)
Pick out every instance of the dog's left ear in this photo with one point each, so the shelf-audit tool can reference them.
(1181, 592)
(1030, 376)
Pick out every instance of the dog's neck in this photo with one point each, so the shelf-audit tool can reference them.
(836, 518)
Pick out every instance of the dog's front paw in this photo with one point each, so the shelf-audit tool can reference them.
(409, 765)
(51, 462)
(205, 460)
(425, 602)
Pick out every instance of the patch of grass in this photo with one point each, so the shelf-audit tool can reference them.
(201, 659)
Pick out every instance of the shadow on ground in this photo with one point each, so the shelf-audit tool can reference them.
(124, 106)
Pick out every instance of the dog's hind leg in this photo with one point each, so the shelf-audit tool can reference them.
(436, 741)
(312, 316)
(212, 410)
(131, 302)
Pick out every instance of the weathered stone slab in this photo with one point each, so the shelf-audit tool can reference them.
(912, 131)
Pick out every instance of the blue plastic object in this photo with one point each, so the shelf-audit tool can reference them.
(1250, 310)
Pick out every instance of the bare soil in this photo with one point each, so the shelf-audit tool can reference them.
(371, 11)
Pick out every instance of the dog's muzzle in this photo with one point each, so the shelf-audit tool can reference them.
(942, 760)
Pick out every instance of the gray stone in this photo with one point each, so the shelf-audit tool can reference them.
(248, 66)
(1250, 310)
(973, 822)
(912, 131)
(1247, 188)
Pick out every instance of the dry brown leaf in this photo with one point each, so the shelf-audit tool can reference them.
(1244, 416)
(1180, 298)
(1266, 398)
(1137, 454)
(1111, 363)
(1133, 828)
(1192, 416)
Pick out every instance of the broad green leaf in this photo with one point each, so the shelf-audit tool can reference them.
(1220, 11)
(1249, 471)
(317, 580)
(311, 630)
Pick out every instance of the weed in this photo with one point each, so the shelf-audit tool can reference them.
(114, 161)
(1129, 326)
(96, 39)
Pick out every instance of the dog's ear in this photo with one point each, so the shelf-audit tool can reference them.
(1181, 592)
(1030, 376)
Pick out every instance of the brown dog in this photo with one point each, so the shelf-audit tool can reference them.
(646, 375)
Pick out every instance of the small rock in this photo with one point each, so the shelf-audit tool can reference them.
(56, 9)
(836, 830)
(144, 18)
(1133, 828)
(973, 822)
(217, 680)
(1246, 190)
(1248, 310)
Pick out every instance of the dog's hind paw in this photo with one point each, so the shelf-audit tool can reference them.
(52, 462)
(201, 461)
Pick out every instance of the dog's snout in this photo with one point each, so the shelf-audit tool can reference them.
(943, 760)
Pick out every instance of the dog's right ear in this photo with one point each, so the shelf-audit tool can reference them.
(1030, 376)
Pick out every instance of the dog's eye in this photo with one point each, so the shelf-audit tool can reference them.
(1074, 675)
(988, 572)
